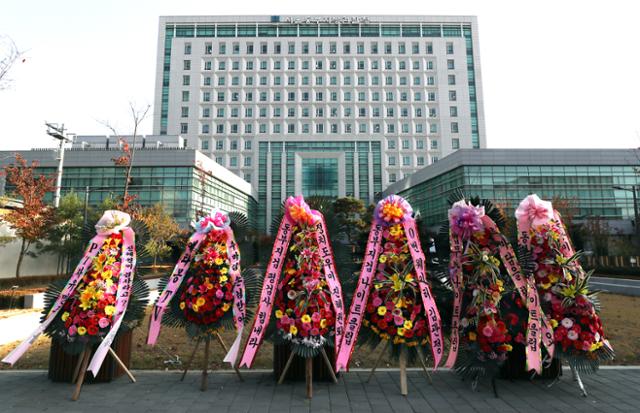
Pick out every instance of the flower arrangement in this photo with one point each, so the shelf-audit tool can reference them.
(394, 309)
(485, 325)
(563, 286)
(304, 309)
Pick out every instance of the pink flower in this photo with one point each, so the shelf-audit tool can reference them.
(398, 320)
(487, 331)
(297, 210)
(315, 317)
(572, 335)
(377, 301)
(533, 211)
(567, 323)
(219, 294)
(103, 322)
(315, 332)
(465, 219)
(392, 210)
(73, 330)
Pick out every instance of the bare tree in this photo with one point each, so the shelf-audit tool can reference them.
(138, 115)
(9, 55)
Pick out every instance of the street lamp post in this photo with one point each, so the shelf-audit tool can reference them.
(58, 132)
(636, 213)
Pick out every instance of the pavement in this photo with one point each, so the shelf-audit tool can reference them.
(623, 286)
(611, 390)
(18, 327)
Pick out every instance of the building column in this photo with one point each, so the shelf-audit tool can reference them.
(356, 172)
(268, 214)
(283, 173)
(370, 170)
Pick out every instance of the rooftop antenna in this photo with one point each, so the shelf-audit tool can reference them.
(58, 132)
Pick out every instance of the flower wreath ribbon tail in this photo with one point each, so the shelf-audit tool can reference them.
(331, 275)
(455, 274)
(85, 263)
(239, 303)
(125, 281)
(178, 274)
(359, 302)
(538, 327)
(420, 266)
(269, 287)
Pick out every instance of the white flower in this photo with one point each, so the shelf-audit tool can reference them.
(476, 292)
(567, 323)
(572, 335)
(547, 296)
(464, 323)
(291, 295)
(597, 337)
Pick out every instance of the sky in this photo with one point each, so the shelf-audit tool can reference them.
(557, 74)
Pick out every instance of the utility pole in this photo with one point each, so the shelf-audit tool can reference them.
(58, 132)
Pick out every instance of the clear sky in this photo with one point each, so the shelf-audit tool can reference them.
(555, 73)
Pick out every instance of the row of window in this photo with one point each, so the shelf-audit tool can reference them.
(333, 112)
(320, 80)
(319, 96)
(234, 144)
(318, 47)
(318, 64)
(306, 128)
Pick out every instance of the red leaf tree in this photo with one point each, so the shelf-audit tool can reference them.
(31, 222)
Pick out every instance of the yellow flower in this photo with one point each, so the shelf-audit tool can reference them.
(65, 315)
(408, 324)
(397, 283)
(209, 286)
(472, 336)
(401, 303)
(560, 259)
(107, 274)
(382, 310)
(408, 278)
(195, 308)
(223, 278)
(225, 306)
(401, 331)
(508, 347)
(291, 271)
(383, 258)
(82, 331)
(109, 310)
(200, 301)
(293, 330)
(545, 286)
(218, 261)
(323, 323)
(305, 318)
(223, 270)
(554, 323)
(182, 305)
(279, 314)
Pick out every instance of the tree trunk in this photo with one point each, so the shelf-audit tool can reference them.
(23, 249)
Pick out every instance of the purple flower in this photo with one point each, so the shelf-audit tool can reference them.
(465, 219)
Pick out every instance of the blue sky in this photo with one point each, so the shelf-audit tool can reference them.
(555, 73)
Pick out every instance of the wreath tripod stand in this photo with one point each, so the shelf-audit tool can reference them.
(205, 366)
(80, 371)
(308, 370)
(403, 366)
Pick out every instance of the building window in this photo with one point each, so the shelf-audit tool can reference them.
(185, 95)
(391, 144)
(186, 65)
(434, 144)
(186, 80)
(184, 112)
(392, 160)
(452, 96)
(233, 161)
(184, 128)
(429, 48)
(454, 127)
(392, 177)
(449, 47)
(420, 161)
(247, 145)
(204, 144)
(451, 79)
(453, 111)
(455, 143)
(451, 64)
(420, 144)
(247, 161)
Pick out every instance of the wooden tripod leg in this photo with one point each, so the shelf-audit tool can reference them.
(286, 368)
(375, 366)
(226, 350)
(83, 371)
(403, 371)
(308, 373)
(126, 370)
(329, 366)
(205, 367)
(424, 365)
(193, 354)
(76, 370)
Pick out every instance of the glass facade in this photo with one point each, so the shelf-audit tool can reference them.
(179, 189)
(320, 177)
(590, 188)
(317, 172)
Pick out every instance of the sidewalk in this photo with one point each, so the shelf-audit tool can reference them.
(612, 390)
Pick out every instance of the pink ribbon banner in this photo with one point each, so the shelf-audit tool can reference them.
(239, 309)
(331, 275)
(359, 302)
(83, 266)
(455, 274)
(178, 274)
(529, 294)
(269, 287)
(125, 282)
(419, 264)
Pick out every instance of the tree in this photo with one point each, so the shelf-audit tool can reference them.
(31, 223)
(161, 228)
(65, 237)
(598, 231)
(350, 213)
(138, 115)
(9, 55)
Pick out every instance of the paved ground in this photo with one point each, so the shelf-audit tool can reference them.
(623, 286)
(612, 390)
